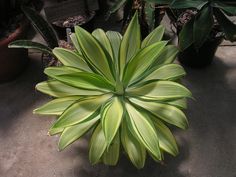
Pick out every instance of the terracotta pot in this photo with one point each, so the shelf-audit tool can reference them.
(201, 58)
(13, 61)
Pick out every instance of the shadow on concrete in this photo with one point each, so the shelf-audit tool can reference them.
(16, 96)
(212, 119)
(82, 168)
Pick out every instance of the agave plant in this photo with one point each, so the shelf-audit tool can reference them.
(122, 89)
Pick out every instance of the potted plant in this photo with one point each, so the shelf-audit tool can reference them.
(201, 26)
(45, 30)
(13, 26)
(72, 13)
(150, 14)
(120, 89)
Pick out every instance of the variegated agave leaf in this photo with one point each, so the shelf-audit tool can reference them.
(121, 89)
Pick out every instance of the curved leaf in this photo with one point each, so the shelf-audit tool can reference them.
(166, 139)
(167, 56)
(81, 111)
(142, 127)
(58, 89)
(202, 27)
(110, 121)
(168, 113)
(165, 72)
(160, 90)
(83, 80)
(74, 132)
(42, 26)
(134, 149)
(70, 58)
(130, 43)
(30, 45)
(61, 70)
(75, 42)
(102, 38)
(155, 36)
(97, 145)
(56, 106)
(94, 53)
(111, 155)
(186, 35)
(179, 103)
(115, 40)
(142, 61)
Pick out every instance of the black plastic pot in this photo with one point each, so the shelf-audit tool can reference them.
(201, 58)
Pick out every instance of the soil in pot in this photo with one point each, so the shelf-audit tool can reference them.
(13, 61)
(72, 13)
(201, 57)
(86, 21)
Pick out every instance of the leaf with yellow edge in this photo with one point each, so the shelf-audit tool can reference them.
(97, 145)
(110, 121)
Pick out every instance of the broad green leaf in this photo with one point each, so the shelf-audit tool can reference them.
(94, 53)
(160, 91)
(83, 80)
(30, 45)
(186, 35)
(130, 43)
(202, 27)
(61, 70)
(42, 26)
(155, 36)
(228, 8)
(179, 103)
(81, 111)
(115, 40)
(70, 58)
(182, 4)
(102, 38)
(110, 121)
(97, 145)
(228, 27)
(111, 155)
(168, 113)
(134, 149)
(166, 139)
(54, 131)
(142, 61)
(73, 133)
(167, 56)
(166, 72)
(58, 89)
(56, 106)
(75, 42)
(149, 10)
(142, 127)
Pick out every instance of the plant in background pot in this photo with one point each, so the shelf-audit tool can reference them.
(201, 27)
(13, 26)
(122, 90)
(47, 33)
(150, 14)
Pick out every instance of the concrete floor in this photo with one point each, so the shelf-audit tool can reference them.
(207, 148)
